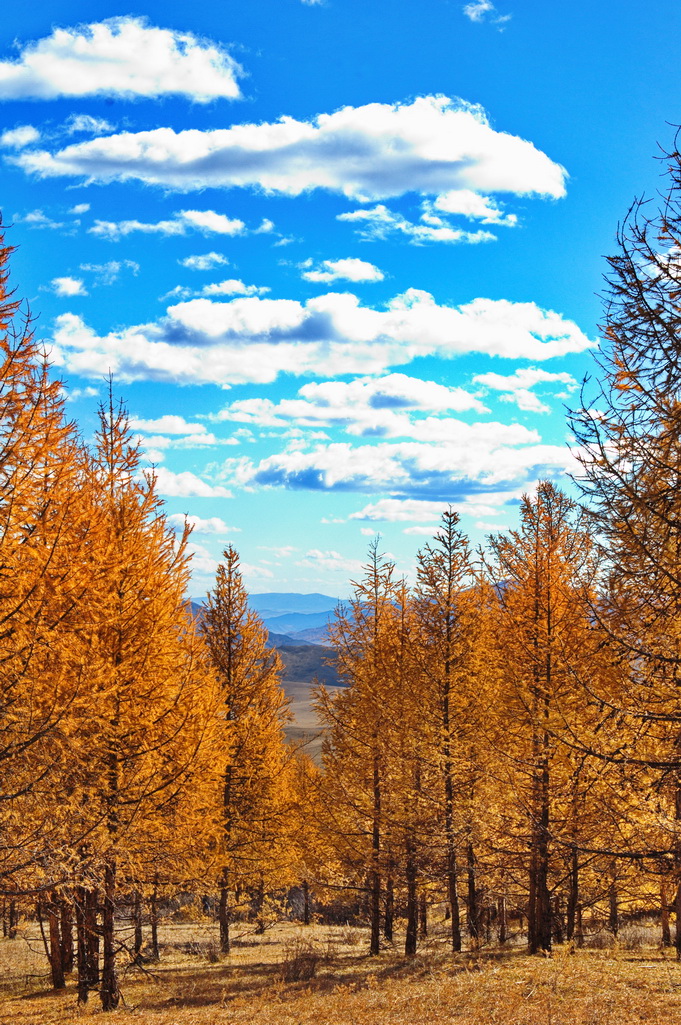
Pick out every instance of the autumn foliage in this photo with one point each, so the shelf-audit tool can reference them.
(504, 754)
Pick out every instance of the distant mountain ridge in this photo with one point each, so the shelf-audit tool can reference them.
(292, 618)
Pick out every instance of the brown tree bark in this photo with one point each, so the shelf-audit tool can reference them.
(412, 906)
(109, 991)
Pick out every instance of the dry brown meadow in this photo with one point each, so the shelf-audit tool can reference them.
(257, 985)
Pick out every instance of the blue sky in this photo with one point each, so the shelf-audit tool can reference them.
(342, 258)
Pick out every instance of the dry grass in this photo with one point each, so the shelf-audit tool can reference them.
(589, 987)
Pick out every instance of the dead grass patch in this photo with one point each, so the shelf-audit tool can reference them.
(321, 976)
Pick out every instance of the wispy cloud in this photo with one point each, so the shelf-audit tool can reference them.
(207, 222)
(484, 10)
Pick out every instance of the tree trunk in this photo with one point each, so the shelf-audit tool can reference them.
(306, 902)
(389, 908)
(153, 921)
(539, 910)
(473, 915)
(374, 945)
(259, 906)
(502, 919)
(109, 991)
(223, 912)
(137, 918)
(87, 935)
(56, 966)
(423, 917)
(13, 924)
(664, 913)
(412, 908)
(613, 904)
(573, 894)
(66, 910)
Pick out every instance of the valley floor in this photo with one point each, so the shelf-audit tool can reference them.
(257, 984)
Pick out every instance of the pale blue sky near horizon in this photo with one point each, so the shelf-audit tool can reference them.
(343, 259)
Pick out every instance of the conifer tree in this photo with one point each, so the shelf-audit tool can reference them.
(628, 432)
(253, 802)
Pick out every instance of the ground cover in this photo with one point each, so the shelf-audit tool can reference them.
(322, 976)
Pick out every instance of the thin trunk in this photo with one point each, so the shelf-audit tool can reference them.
(473, 914)
(664, 913)
(13, 920)
(573, 894)
(137, 918)
(389, 915)
(259, 906)
(412, 908)
(423, 917)
(613, 904)
(153, 920)
(109, 992)
(223, 912)
(677, 859)
(502, 919)
(374, 945)
(306, 902)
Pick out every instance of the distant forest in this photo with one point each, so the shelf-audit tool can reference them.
(505, 740)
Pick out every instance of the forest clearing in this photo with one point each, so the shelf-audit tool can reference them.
(636, 982)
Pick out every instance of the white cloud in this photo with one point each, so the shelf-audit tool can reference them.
(479, 455)
(484, 10)
(37, 219)
(417, 510)
(87, 124)
(517, 387)
(186, 485)
(80, 208)
(232, 286)
(17, 138)
(68, 286)
(207, 222)
(123, 57)
(210, 525)
(252, 339)
(203, 261)
(431, 145)
(108, 273)
(168, 424)
(365, 406)
(350, 269)
(330, 562)
(466, 203)
(379, 222)
(249, 571)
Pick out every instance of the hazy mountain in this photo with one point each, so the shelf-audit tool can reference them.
(279, 603)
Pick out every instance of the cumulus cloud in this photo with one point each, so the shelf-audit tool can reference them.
(123, 57)
(418, 510)
(203, 261)
(431, 145)
(186, 485)
(254, 339)
(17, 138)
(350, 269)
(479, 455)
(168, 424)
(379, 222)
(231, 286)
(210, 525)
(68, 286)
(517, 387)
(207, 222)
(466, 203)
(366, 406)
(79, 208)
